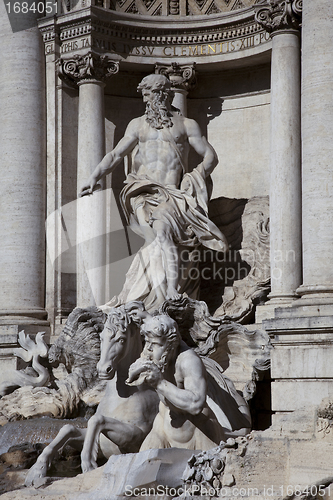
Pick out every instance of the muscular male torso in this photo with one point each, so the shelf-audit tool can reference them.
(179, 428)
(157, 157)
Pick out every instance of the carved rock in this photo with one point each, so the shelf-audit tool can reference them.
(243, 274)
(244, 355)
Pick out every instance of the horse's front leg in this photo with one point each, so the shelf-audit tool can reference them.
(128, 437)
(68, 434)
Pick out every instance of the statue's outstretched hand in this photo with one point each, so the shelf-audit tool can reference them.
(88, 189)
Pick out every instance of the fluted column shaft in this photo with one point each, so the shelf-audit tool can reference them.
(317, 129)
(23, 167)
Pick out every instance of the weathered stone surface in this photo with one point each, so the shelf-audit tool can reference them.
(274, 463)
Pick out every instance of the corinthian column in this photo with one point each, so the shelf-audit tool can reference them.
(89, 73)
(23, 169)
(282, 19)
(182, 79)
(317, 129)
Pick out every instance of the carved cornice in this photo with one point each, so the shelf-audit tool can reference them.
(150, 31)
(181, 77)
(90, 67)
(279, 15)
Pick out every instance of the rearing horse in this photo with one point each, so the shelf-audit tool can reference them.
(125, 414)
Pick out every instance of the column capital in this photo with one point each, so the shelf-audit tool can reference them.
(86, 68)
(182, 77)
(280, 15)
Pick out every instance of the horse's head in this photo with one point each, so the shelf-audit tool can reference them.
(115, 342)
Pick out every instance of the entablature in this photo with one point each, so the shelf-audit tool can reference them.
(133, 39)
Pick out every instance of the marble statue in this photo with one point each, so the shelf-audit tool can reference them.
(125, 414)
(164, 201)
(179, 377)
(159, 396)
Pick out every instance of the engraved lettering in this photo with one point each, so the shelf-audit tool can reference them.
(49, 49)
(69, 46)
(151, 50)
(213, 49)
(183, 53)
(250, 41)
(193, 51)
(203, 50)
(85, 43)
(164, 51)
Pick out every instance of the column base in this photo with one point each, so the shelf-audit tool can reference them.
(320, 297)
(267, 311)
(10, 326)
(38, 313)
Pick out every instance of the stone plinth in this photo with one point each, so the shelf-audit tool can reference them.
(300, 359)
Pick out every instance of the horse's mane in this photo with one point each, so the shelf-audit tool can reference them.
(79, 344)
(117, 319)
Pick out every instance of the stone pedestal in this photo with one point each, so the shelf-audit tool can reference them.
(301, 357)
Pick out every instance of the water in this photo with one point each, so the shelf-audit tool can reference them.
(35, 430)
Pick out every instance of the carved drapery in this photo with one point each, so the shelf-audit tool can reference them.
(280, 15)
(89, 67)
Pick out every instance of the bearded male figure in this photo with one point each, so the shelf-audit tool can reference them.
(179, 377)
(164, 201)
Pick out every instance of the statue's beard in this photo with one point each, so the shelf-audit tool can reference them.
(157, 113)
(165, 359)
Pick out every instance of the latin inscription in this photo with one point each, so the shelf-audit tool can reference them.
(168, 51)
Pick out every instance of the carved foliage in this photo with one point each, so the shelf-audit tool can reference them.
(87, 67)
(280, 15)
